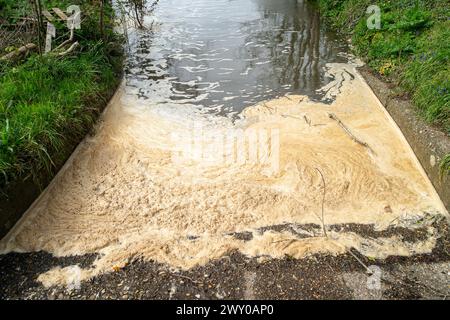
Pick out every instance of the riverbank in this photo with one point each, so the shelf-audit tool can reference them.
(48, 103)
(410, 52)
(135, 213)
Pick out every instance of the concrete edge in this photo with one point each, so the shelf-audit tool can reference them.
(428, 143)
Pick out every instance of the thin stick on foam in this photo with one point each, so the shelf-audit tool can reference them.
(323, 202)
(347, 130)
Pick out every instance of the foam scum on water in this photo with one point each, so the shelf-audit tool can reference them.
(122, 196)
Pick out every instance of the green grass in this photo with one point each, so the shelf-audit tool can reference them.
(412, 48)
(11, 11)
(445, 166)
(43, 106)
(47, 104)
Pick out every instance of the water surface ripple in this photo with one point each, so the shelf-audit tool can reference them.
(226, 55)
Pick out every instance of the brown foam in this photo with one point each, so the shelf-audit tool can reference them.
(123, 196)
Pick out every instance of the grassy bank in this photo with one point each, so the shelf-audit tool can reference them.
(412, 49)
(48, 103)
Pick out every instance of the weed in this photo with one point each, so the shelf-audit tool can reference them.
(412, 47)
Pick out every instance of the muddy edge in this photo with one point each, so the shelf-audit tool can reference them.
(428, 143)
(236, 276)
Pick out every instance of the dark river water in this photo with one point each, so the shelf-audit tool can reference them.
(228, 54)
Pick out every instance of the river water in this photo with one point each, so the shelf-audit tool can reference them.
(243, 66)
(226, 55)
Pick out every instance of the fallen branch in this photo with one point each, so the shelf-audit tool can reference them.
(66, 41)
(22, 50)
(71, 48)
(27, 19)
(347, 130)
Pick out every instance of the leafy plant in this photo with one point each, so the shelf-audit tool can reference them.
(412, 47)
(48, 103)
(445, 166)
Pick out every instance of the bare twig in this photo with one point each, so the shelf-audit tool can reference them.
(298, 101)
(323, 203)
(185, 277)
(268, 108)
(38, 12)
(290, 241)
(284, 240)
(307, 120)
(396, 278)
(318, 217)
(347, 130)
(289, 98)
(360, 262)
(290, 116)
(22, 50)
(66, 41)
(71, 48)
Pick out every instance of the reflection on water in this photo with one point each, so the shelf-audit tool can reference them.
(229, 54)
